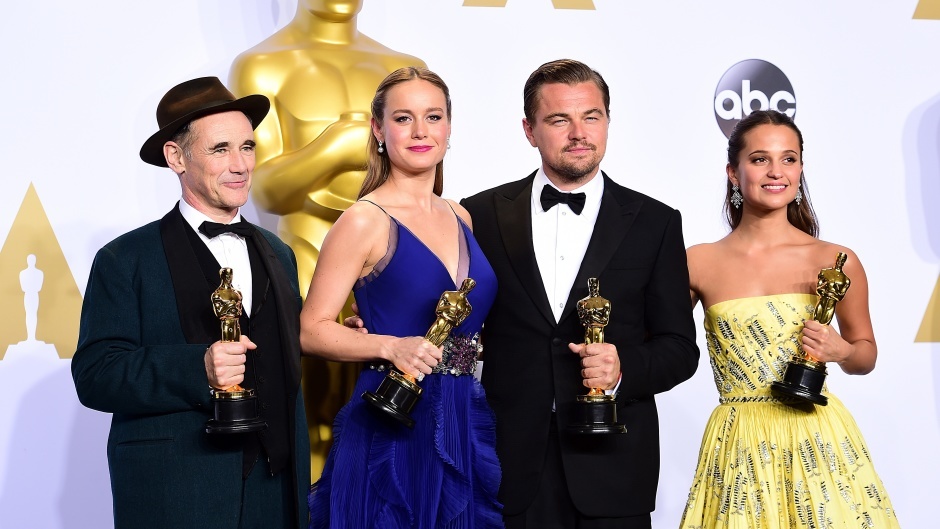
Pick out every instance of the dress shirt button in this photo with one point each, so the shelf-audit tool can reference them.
(260, 380)
(556, 341)
(561, 305)
(562, 257)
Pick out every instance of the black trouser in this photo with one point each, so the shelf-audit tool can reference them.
(553, 508)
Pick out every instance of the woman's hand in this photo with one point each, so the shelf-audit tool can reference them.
(823, 343)
(413, 356)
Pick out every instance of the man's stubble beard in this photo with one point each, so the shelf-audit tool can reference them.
(575, 173)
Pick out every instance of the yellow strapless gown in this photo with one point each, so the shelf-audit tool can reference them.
(769, 464)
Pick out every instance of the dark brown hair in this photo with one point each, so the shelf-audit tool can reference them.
(563, 71)
(800, 215)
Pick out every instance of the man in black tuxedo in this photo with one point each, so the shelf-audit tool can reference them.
(149, 347)
(545, 236)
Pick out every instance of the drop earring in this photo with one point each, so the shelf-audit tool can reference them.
(736, 198)
(381, 147)
(448, 143)
(799, 196)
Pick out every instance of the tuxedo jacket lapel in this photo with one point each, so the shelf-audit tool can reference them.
(284, 296)
(189, 283)
(613, 222)
(514, 216)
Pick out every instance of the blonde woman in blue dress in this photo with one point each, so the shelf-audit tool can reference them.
(766, 463)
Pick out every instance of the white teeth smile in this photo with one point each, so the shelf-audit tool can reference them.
(774, 187)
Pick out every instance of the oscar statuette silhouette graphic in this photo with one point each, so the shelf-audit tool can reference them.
(399, 392)
(320, 73)
(235, 409)
(31, 283)
(595, 412)
(804, 377)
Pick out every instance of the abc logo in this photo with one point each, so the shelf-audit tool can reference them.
(752, 85)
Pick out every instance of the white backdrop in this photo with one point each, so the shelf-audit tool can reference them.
(81, 81)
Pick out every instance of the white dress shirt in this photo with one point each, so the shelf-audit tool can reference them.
(560, 237)
(230, 250)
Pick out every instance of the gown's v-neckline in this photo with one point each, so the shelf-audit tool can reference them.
(461, 246)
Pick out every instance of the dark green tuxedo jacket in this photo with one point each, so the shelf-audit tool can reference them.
(133, 361)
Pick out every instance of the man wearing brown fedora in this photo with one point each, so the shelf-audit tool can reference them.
(149, 349)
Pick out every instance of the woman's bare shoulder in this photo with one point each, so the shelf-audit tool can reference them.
(360, 220)
(707, 252)
(461, 212)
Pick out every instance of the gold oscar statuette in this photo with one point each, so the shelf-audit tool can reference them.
(805, 376)
(399, 392)
(235, 409)
(595, 412)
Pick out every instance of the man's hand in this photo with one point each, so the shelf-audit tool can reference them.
(600, 364)
(225, 362)
(355, 322)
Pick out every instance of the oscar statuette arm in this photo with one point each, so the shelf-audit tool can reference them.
(289, 167)
(283, 182)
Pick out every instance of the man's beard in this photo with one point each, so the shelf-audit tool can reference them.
(574, 172)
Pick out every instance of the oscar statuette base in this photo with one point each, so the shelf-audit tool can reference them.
(235, 412)
(395, 398)
(803, 379)
(596, 414)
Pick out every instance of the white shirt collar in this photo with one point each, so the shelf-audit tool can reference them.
(194, 217)
(229, 249)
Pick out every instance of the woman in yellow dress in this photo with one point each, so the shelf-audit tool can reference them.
(768, 461)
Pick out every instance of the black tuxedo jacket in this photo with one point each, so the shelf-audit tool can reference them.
(637, 253)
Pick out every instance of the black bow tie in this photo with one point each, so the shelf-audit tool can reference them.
(214, 229)
(551, 196)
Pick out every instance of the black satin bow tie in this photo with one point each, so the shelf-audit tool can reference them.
(551, 196)
(214, 229)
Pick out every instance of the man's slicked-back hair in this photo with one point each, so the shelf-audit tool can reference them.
(563, 71)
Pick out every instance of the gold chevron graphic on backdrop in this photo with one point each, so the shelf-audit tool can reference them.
(559, 4)
(930, 326)
(33, 269)
(928, 9)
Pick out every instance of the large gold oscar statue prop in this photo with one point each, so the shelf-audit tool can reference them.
(399, 392)
(595, 412)
(235, 409)
(320, 74)
(804, 377)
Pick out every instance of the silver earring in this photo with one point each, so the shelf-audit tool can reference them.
(381, 147)
(448, 143)
(736, 198)
(799, 196)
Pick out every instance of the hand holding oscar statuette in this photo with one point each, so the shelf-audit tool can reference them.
(399, 392)
(595, 412)
(804, 377)
(235, 409)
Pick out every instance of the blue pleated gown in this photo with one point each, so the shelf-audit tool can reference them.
(444, 473)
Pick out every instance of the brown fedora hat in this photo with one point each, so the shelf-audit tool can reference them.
(194, 99)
